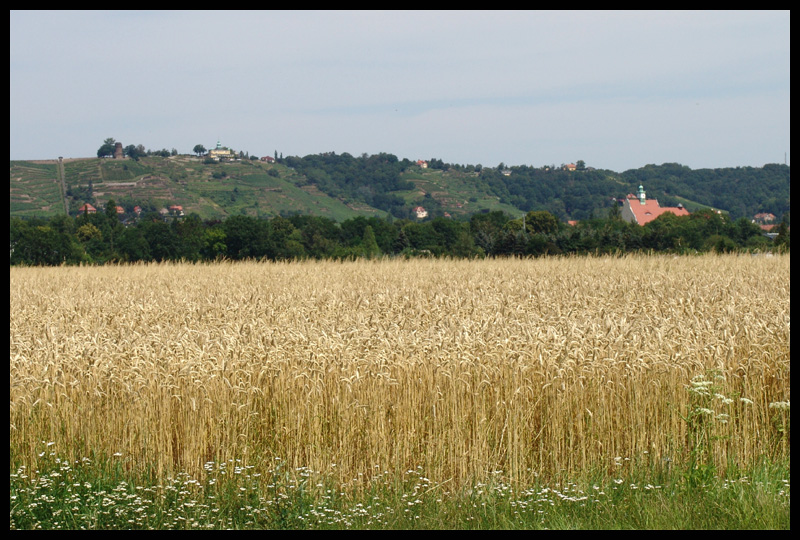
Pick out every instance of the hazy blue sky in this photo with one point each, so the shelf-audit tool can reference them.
(618, 90)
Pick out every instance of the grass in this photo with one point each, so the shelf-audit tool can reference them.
(89, 494)
(448, 382)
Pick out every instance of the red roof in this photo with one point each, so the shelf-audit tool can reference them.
(650, 210)
(87, 208)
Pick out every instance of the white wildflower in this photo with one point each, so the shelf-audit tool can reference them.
(779, 405)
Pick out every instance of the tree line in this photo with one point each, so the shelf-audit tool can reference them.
(133, 151)
(101, 237)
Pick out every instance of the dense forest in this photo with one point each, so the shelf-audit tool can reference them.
(102, 238)
(367, 179)
(569, 195)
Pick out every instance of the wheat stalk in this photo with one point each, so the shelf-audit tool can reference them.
(535, 368)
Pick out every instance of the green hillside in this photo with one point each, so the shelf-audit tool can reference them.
(212, 191)
(35, 189)
(342, 187)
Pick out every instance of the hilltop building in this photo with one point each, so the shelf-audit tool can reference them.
(221, 153)
(640, 210)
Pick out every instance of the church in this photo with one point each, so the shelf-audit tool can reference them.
(640, 210)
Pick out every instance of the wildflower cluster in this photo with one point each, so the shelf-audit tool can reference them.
(709, 413)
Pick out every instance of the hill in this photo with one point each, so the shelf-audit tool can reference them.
(212, 191)
(342, 187)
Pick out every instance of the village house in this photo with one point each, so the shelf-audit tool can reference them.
(422, 163)
(763, 218)
(420, 212)
(87, 208)
(570, 167)
(640, 210)
(268, 159)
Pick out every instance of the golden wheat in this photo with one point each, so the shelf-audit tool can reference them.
(530, 367)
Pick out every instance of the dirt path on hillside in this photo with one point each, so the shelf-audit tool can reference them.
(62, 178)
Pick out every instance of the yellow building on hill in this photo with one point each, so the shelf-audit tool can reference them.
(221, 153)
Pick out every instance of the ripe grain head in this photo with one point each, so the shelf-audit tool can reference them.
(532, 367)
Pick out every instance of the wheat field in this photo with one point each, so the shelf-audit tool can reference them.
(526, 368)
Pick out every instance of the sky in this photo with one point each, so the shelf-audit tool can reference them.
(616, 89)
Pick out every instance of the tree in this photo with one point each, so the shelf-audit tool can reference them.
(42, 245)
(401, 241)
(190, 233)
(114, 226)
(132, 246)
(615, 213)
(487, 228)
(132, 152)
(541, 222)
(321, 235)
(111, 211)
(368, 244)
(286, 242)
(214, 245)
(245, 237)
(105, 150)
(161, 239)
(783, 241)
